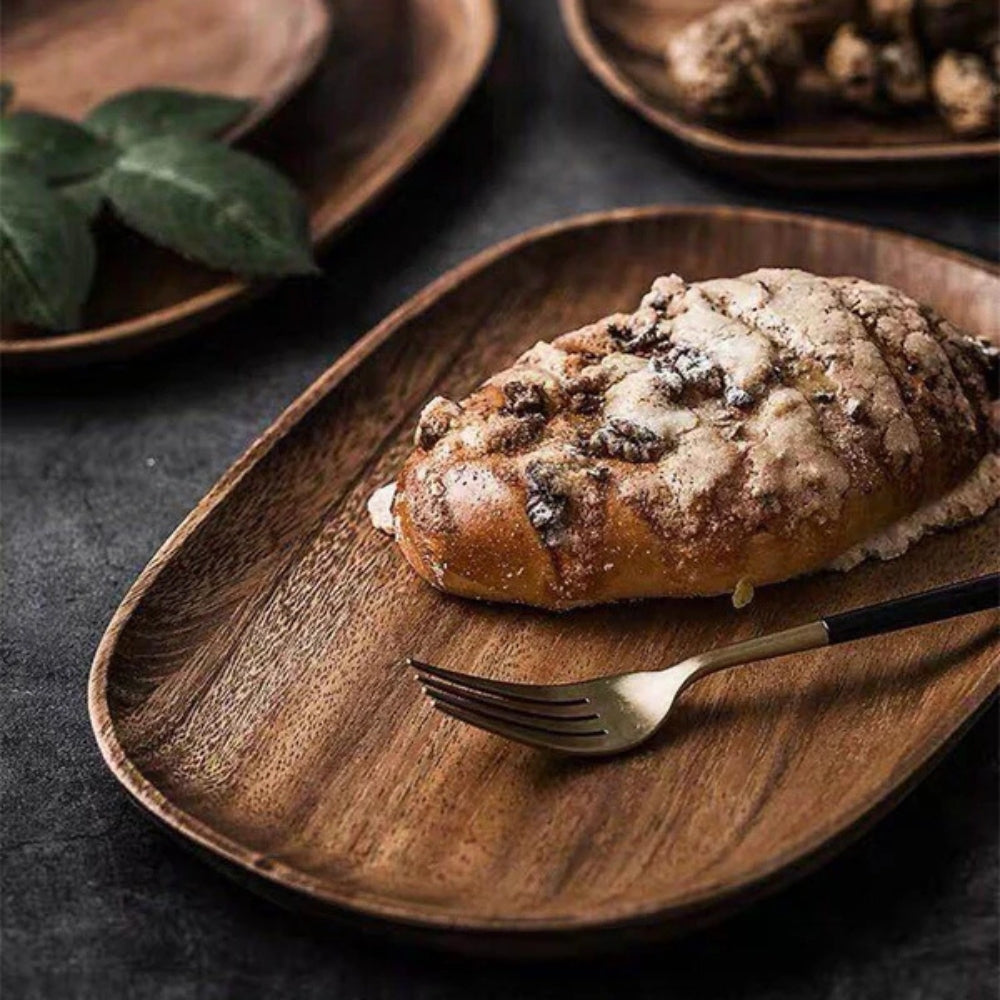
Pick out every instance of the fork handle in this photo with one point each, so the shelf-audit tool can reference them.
(917, 609)
(935, 605)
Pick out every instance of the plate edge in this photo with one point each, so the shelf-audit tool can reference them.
(285, 877)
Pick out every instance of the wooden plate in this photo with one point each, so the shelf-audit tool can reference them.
(248, 692)
(394, 75)
(621, 42)
(66, 56)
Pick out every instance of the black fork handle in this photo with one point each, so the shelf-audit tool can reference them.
(936, 605)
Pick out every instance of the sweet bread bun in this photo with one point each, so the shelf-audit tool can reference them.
(727, 434)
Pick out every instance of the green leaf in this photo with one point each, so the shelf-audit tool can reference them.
(60, 149)
(11, 165)
(6, 95)
(212, 204)
(156, 111)
(87, 195)
(47, 255)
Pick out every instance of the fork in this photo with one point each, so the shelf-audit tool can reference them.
(612, 714)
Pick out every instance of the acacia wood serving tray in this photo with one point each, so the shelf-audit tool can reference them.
(394, 75)
(622, 43)
(249, 692)
(66, 56)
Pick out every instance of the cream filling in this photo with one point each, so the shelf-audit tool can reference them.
(380, 508)
(969, 500)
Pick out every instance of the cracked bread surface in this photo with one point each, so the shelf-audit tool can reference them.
(745, 429)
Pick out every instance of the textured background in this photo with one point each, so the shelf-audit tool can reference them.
(100, 466)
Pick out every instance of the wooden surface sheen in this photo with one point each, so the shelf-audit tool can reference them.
(67, 56)
(393, 76)
(814, 144)
(249, 693)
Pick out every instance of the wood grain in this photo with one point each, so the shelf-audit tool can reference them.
(66, 56)
(622, 41)
(249, 693)
(395, 74)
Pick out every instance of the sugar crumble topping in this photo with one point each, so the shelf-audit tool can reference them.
(971, 499)
(764, 401)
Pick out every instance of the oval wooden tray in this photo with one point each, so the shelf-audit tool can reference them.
(66, 56)
(621, 42)
(395, 74)
(248, 692)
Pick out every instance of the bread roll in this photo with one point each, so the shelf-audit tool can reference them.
(735, 63)
(966, 93)
(731, 432)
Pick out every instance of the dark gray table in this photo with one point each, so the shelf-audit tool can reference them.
(98, 467)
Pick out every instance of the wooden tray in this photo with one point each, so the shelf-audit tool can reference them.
(395, 74)
(248, 692)
(66, 56)
(621, 42)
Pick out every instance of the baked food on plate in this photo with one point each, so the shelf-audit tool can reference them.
(727, 434)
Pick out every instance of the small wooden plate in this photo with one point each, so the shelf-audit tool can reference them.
(622, 41)
(249, 692)
(66, 56)
(394, 75)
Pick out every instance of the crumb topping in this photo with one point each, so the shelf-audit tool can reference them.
(972, 498)
(435, 420)
(757, 403)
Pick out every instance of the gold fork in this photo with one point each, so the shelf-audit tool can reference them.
(610, 714)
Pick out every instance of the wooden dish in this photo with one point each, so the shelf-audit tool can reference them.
(621, 42)
(394, 75)
(66, 56)
(249, 694)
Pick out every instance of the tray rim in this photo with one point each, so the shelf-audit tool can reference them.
(317, 20)
(169, 322)
(712, 141)
(387, 911)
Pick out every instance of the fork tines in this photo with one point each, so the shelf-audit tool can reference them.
(525, 712)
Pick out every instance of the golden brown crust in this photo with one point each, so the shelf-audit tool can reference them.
(737, 429)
